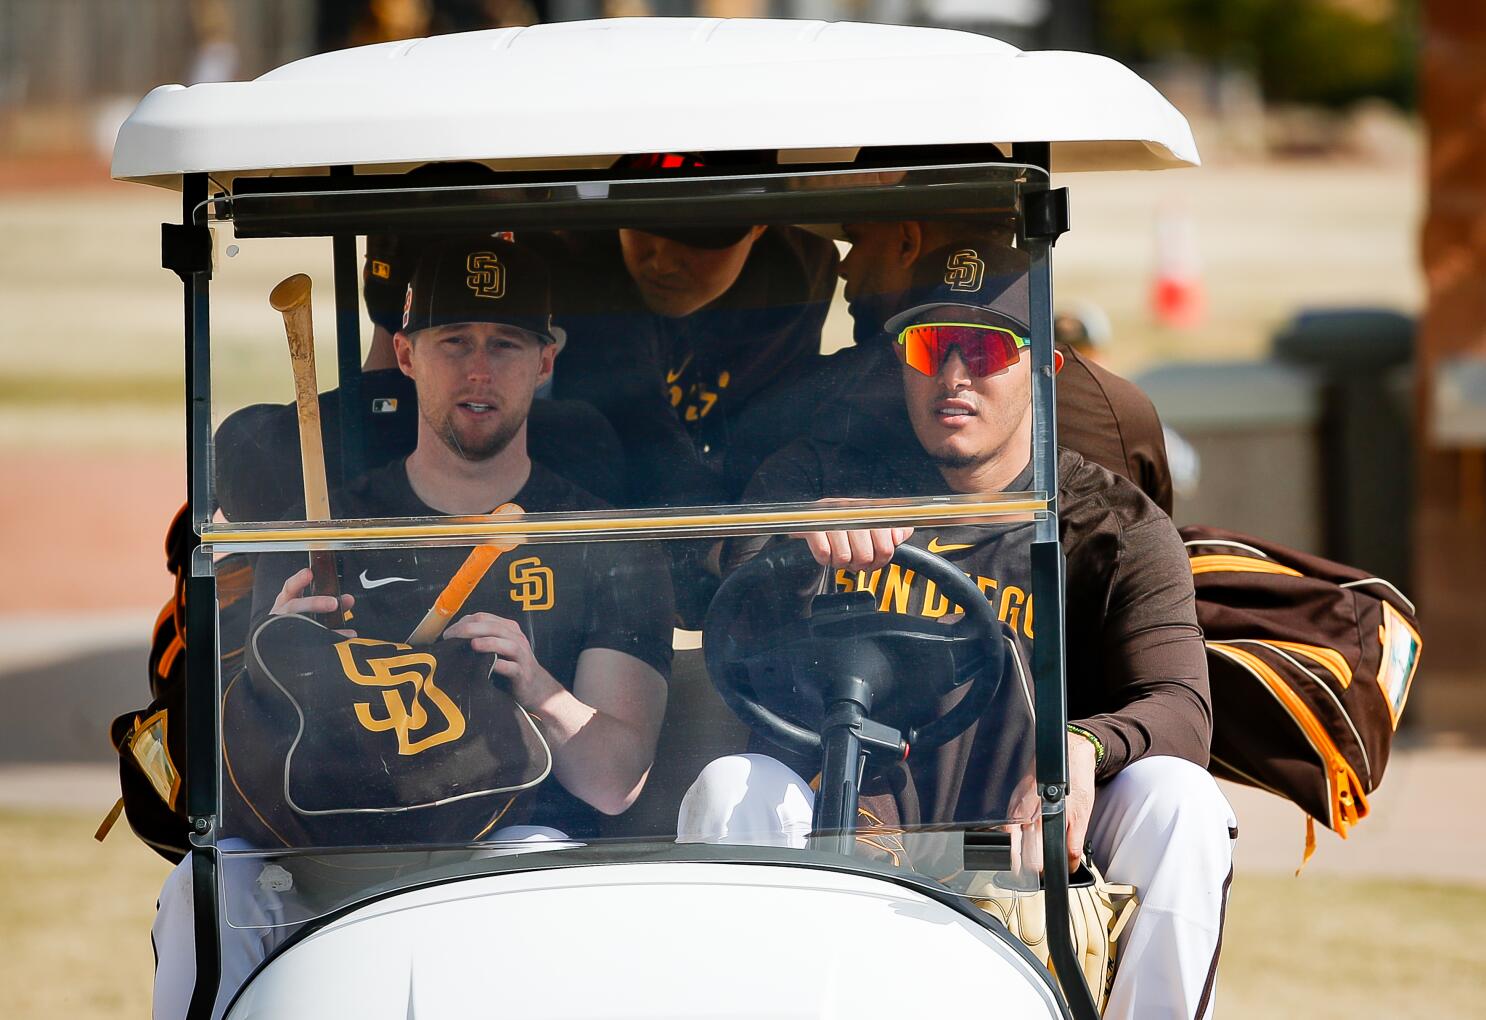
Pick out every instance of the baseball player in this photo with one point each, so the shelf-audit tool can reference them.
(1139, 792)
(674, 333)
(257, 470)
(580, 632)
(1101, 415)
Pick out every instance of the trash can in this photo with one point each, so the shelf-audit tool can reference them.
(1255, 425)
(1362, 359)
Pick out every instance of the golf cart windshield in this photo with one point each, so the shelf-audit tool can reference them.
(676, 378)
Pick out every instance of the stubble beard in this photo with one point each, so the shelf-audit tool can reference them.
(476, 452)
(961, 461)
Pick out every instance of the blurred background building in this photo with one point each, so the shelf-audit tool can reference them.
(1315, 51)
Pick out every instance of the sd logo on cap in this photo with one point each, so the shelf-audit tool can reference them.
(481, 279)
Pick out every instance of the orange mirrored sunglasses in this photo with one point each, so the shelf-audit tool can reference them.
(986, 350)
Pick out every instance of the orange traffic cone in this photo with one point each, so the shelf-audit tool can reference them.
(1177, 298)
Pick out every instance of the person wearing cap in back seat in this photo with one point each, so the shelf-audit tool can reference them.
(675, 331)
(1138, 696)
(577, 634)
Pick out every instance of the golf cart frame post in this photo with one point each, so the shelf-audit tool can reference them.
(1048, 579)
(187, 251)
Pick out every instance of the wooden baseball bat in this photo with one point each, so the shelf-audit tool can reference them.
(291, 298)
(474, 568)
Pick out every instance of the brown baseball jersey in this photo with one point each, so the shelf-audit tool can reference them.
(1137, 672)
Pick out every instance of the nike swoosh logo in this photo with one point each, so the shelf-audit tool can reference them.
(936, 547)
(673, 375)
(369, 584)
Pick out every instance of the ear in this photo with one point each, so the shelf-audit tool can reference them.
(547, 363)
(402, 349)
(910, 242)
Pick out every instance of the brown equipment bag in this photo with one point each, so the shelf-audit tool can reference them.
(1310, 663)
(152, 741)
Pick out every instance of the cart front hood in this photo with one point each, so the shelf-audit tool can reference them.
(655, 941)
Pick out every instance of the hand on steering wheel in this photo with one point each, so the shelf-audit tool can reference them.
(773, 674)
(860, 549)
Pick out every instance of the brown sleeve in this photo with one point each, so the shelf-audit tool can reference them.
(1151, 657)
(792, 475)
(1112, 423)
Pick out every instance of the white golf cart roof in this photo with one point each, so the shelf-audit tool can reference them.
(578, 94)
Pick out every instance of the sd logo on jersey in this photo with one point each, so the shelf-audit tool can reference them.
(487, 277)
(532, 584)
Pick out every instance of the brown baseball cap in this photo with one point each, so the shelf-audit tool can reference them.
(973, 280)
(481, 279)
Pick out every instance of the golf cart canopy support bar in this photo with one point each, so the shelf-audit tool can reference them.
(298, 207)
(579, 94)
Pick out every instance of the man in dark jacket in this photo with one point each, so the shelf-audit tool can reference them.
(674, 334)
(1138, 693)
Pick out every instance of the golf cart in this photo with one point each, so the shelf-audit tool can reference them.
(358, 904)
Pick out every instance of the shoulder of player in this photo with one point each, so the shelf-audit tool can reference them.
(787, 267)
(1093, 499)
(385, 492)
(1081, 379)
(381, 492)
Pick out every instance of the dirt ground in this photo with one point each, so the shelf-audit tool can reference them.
(1350, 948)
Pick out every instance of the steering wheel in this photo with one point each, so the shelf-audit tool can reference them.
(778, 676)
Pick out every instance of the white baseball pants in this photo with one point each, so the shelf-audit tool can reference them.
(1161, 825)
(258, 912)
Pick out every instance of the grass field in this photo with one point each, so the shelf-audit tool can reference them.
(1313, 948)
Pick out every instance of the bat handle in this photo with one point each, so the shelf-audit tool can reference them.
(326, 581)
(291, 298)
